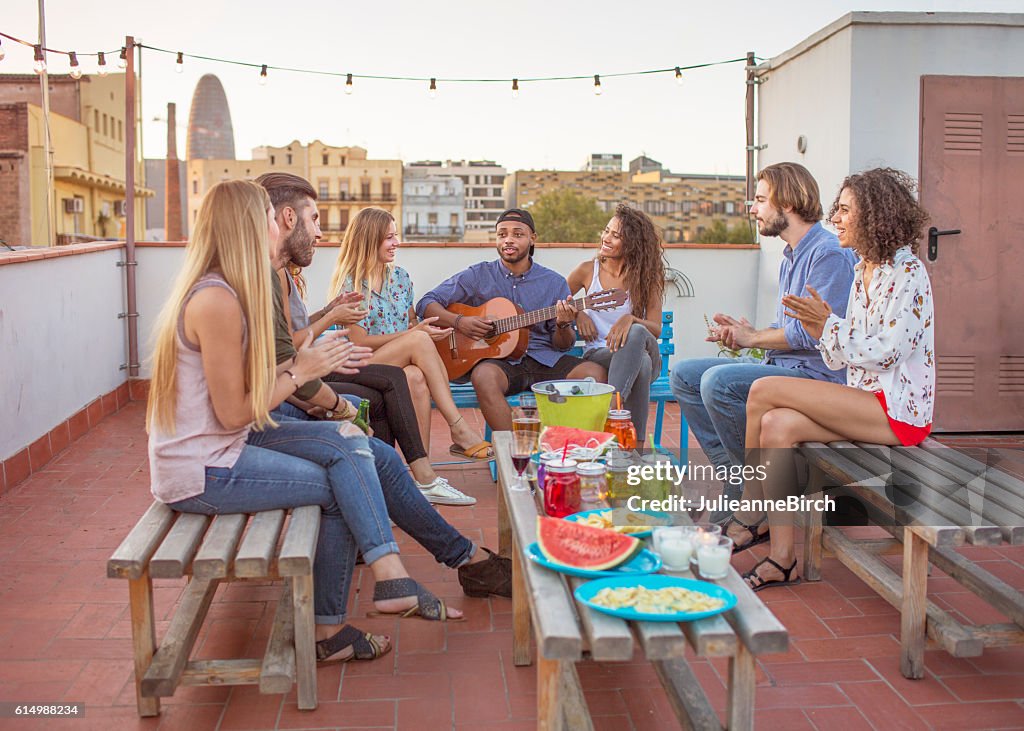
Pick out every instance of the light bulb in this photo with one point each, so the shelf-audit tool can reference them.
(515, 88)
(2, 52)
(101, 64)
(39, 65)
(597, 84)
(122, 60)
(348, 84)
(679, 76)
(180, 65)
(433, 88)
(76, 69)
(263, 75)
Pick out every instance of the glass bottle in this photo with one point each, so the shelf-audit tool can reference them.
(561, 488)
(620, 425)
(617, 474)
(593, 485)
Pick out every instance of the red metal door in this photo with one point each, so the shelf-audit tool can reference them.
(972, 179)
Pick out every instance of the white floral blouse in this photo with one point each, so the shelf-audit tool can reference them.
(887, 340)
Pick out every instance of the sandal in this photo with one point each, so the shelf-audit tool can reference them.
(364, 646)
(481, 451)
(752, 575)
(755, 537)
(427, 605)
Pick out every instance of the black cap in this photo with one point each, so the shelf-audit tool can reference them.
(519, 216)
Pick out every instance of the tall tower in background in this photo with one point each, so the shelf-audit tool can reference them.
(210, 134)
(172, 184)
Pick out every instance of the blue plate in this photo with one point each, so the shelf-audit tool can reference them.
(586, 592)
(642, 564)
(665, 519)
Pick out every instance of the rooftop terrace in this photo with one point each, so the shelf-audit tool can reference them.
(65, 630)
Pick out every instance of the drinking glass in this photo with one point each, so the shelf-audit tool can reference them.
(530, 424)
(524, 444)
(528, 405)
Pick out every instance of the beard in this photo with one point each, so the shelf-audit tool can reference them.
(300, 245)
(513, 258)
(775, 226)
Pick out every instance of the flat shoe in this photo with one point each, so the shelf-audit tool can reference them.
(752, 576)
(493, 576)
(364, 646)
(427, 605)
(477, 451)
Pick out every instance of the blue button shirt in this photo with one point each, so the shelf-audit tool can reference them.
(819, 261)
(536, 289)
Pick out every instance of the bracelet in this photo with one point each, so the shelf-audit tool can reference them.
(456, 325)
(563, 326)
(337, 401)
(294, 379)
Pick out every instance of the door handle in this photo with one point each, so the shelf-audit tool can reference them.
(933, 240)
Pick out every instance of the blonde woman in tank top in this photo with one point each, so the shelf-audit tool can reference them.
(215, 448)
(625, 340)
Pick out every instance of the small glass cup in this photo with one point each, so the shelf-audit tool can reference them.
(713, 558)
(528, 405)
(674, 545)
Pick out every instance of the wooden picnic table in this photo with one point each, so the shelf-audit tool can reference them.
(568, 632)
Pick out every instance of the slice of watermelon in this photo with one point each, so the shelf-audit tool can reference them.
(582, 546)
(554, 439)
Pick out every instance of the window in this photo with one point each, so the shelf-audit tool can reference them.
(96, 120)
(105, 132)
(325, 219)
(322, 189)
(385, 188)
(343, 188)
(288, 159)
(343, 219)
(342, 159)
(195, 187)
(120, 131)
(454, 221)
(325, 158)
(271, 159)
(730, 208)
(432, 219)
(364, 189)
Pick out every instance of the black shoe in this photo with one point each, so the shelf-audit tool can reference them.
(493, 576)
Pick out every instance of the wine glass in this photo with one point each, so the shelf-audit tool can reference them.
(524, 444)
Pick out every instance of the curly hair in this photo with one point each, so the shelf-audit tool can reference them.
(643, 267)
(888, 216)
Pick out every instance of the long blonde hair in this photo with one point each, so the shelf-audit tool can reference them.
(230, 237)
(358, 254)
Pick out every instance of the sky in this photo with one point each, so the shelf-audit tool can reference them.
(695, 127)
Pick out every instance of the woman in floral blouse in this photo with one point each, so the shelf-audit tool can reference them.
(886, 343)
(366, 265)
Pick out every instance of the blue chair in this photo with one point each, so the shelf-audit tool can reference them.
(465, 396)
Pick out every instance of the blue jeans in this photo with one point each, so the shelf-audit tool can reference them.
(712, 394)
(309, 463)
(631, 370)
(405, 503)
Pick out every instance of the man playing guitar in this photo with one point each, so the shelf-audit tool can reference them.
(514, 276)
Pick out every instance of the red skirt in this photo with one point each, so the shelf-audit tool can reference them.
(908, 434)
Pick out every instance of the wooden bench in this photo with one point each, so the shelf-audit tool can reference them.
(165, 544)
(930, 499)
(465, 396)
(567, 632)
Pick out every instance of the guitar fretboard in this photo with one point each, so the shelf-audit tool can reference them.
(526, 319)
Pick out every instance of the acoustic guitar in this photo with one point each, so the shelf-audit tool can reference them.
(510, 335)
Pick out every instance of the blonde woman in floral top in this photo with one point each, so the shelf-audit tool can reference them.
(886, 343)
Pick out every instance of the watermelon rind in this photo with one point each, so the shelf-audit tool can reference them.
(582, 546)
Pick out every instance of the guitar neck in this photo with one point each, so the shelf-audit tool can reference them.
(527, 319)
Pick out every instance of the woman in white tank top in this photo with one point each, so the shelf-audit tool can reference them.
(625, 340)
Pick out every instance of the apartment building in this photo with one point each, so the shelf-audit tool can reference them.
(345, 179)
(483, 185)
(433, 207)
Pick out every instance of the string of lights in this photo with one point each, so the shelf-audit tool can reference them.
(349, 77)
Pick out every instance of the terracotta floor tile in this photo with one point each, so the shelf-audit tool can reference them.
(781, 719)
(958, 716)
(876, 624)
(992, 688)
(923, 691)
(248, 709)
(425, 713)
(844, 717)
(848, 648)
(339, 714)
(801, 620)
(190, 718)
(826, 671)
(882, 706)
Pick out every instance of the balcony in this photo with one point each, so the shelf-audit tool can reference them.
(358, 198)
(432, 233)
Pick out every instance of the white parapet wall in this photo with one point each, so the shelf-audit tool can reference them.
(63, 344)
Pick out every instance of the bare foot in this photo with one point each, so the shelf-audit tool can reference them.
(324, 632)
(401, 604)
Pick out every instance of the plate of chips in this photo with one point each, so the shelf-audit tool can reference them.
(636, 523)
(656, 598)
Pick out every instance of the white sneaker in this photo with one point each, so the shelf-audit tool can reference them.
(441, 492)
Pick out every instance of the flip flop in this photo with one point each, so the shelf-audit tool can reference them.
(752, 575)
(477, 451)
(427, 605)
(755, 537)
(364, 646)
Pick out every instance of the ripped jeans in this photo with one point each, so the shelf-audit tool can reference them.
(309, 463)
